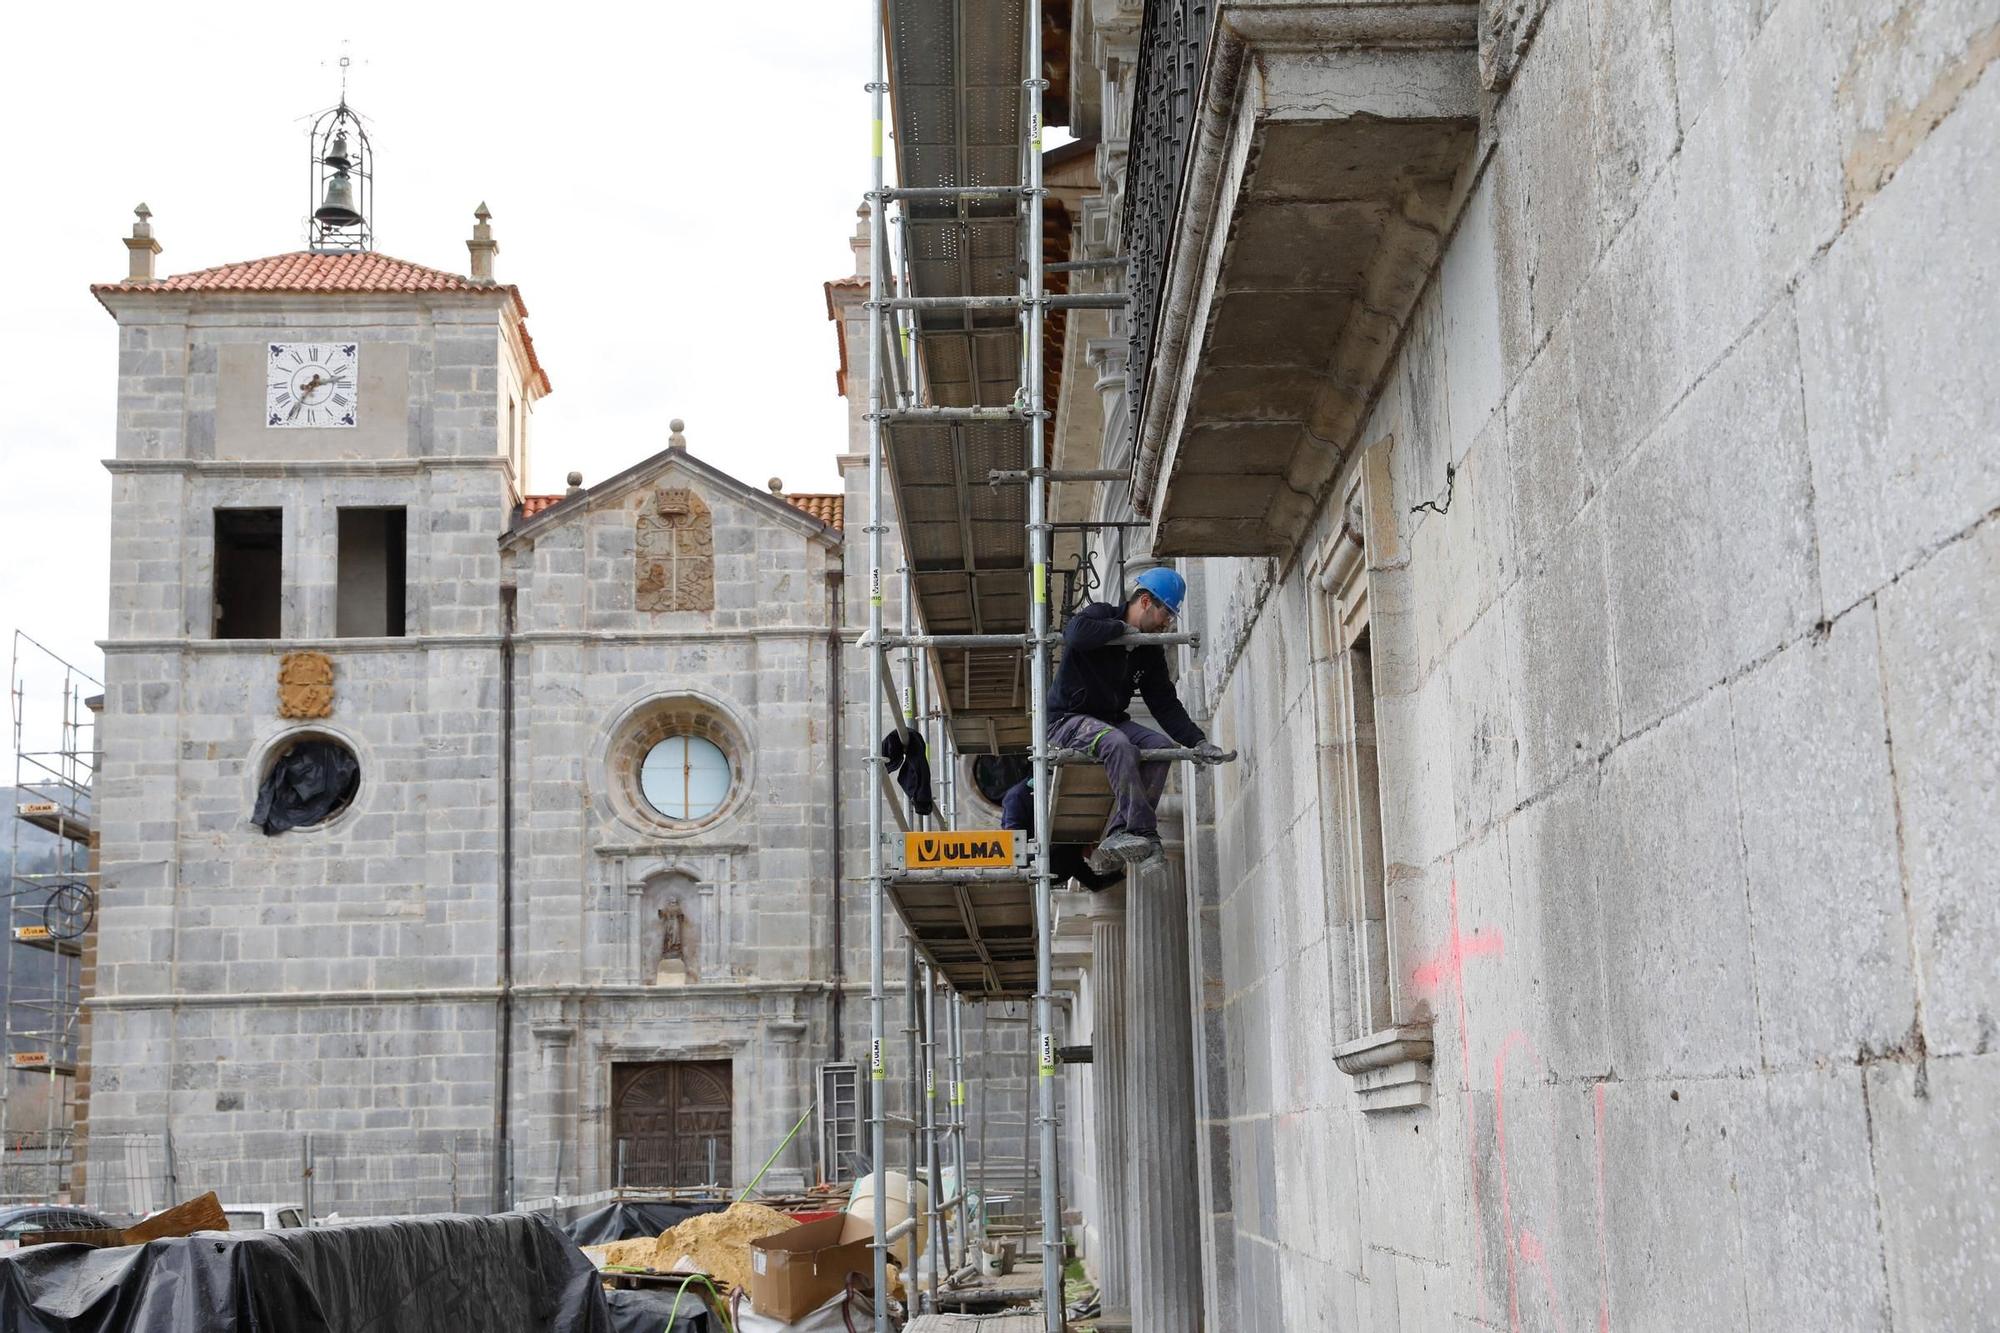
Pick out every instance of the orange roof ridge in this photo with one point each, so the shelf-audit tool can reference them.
(309, 271)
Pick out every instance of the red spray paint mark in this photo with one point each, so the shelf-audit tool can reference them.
(1521, 1244)
(1448, 966)
(1531, 1250)
(1603, 1258)
(1449, 962)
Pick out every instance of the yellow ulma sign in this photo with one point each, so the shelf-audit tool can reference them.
(980, 849)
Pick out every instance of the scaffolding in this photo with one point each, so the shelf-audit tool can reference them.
(51, 908)
(958, 340)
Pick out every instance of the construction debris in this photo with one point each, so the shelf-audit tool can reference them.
(714, 1243)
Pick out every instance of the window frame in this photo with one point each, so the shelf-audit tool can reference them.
(1382, 1043)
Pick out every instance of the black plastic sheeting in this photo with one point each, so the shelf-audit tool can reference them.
(629, 1218)
(309, 782)
(510, 1273)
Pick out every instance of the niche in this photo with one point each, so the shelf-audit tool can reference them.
(670, 938)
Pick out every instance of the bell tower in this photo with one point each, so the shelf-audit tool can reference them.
(341, 206)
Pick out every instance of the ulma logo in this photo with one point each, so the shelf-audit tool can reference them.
(993, 848)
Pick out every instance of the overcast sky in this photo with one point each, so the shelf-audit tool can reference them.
(670, 185)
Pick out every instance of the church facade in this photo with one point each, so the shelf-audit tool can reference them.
(557, 901)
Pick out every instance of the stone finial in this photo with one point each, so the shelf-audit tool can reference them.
(676, 440)
(777, 485)
(861, 242)
(575, 485)
(140, 247)
(482, 245)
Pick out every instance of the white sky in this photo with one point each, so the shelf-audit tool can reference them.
(670, 185)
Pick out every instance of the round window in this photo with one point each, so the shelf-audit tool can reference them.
(994, 774)
(309, 782)
(685, 777)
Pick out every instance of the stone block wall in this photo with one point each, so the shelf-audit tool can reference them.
(1686, 718)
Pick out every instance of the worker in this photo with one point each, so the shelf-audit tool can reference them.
(1066, 860)
(1095, 682)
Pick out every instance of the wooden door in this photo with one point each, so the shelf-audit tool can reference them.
(666, 1114)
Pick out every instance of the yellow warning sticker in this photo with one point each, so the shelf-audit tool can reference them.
(1041, 583)
(985, 849)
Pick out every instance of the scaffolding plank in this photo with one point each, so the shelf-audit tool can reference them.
(53, 817)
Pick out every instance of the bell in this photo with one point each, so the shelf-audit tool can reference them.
(338, 157)
(338, 210)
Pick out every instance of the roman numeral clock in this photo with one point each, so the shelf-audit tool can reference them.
(311, 384)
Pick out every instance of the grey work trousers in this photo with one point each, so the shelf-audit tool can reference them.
(1135, 786)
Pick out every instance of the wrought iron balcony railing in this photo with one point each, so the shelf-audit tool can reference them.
(1173, 46)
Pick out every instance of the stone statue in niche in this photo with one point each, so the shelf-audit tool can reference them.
(672, 967)
(675, 553)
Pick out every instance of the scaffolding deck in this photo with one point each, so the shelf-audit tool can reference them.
(956, 71)
(53, 817)
(978, 935)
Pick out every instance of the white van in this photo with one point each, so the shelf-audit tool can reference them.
(264, 1216)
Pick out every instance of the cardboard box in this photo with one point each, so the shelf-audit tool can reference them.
(795, 1272)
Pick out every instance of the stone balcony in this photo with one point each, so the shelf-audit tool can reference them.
(1328, 145)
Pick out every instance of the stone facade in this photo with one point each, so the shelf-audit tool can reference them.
(429, 993)
(1684, 676)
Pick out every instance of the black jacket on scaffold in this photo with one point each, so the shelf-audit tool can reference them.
(1097, 677)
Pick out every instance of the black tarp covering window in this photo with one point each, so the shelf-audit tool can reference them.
(625, 1219)
(511, 1273)
(310, 782)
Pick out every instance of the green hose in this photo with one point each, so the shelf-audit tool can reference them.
(720, 1308)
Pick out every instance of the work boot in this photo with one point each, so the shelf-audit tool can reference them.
(1102, 862)
(1132, 848)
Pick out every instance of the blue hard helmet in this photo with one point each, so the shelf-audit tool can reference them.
(1167, 587)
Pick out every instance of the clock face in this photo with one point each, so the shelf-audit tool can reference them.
(311, 384)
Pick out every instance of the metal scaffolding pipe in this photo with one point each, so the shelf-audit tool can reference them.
(1167, 754)
(1085, 265)
(1017, 475)
(1036, 306)
(877, 891)
(949, 192)
(1018, 640)
(965, 1223)
(940, 1246)
(931, 416)
(1067, 301)
(913, 1085)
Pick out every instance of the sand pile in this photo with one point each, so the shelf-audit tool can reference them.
(718, 1243)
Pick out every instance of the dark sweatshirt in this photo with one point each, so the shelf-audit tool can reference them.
(1097, 677)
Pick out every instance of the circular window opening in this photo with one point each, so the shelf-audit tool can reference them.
(994, 774)
(310, 781)
(685, 777)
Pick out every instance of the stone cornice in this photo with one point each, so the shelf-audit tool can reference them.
(330, 467)
(449, 995)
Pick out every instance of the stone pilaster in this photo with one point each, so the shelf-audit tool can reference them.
(1110, 1043)
(1163, 1212)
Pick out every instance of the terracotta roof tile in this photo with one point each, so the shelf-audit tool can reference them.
(532, 505)
(305, 271)
(828, 509)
